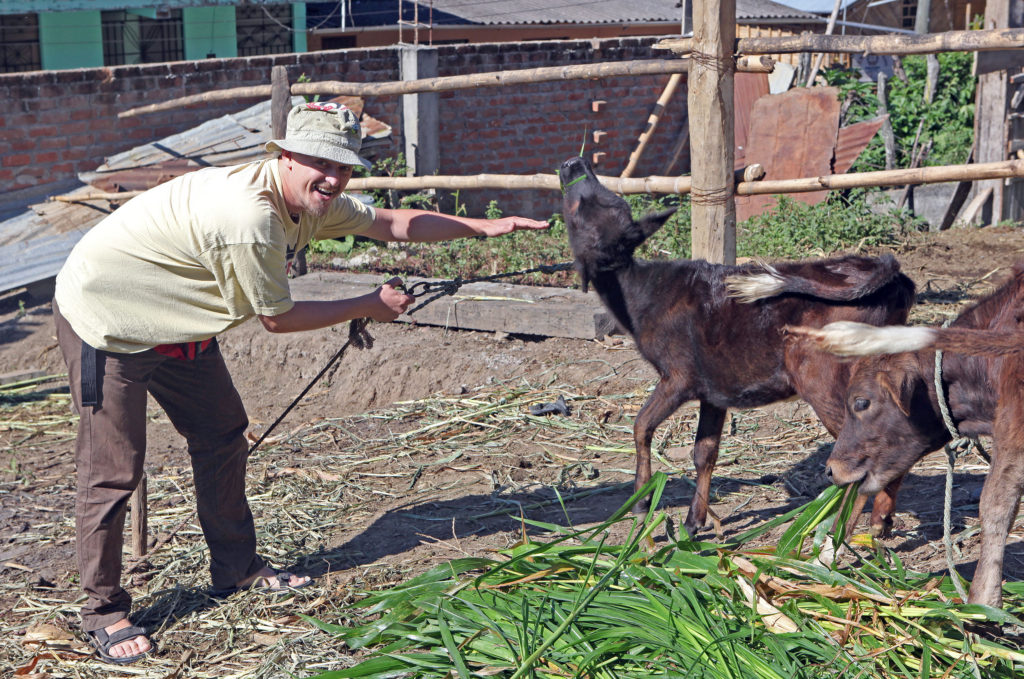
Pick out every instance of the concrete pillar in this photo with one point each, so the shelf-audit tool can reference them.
(420, 118)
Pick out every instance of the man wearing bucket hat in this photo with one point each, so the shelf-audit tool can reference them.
(137, 308)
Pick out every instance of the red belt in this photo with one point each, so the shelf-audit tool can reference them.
(186, 351)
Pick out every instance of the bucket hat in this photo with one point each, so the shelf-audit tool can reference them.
(323, 130)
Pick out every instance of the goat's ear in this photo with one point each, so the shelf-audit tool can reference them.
(653, 221)
(900, 386)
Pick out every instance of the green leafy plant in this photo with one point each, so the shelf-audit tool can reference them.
(948, 121)
(581, 603)
(303, 78)
(794, 229)
(493, 211)
(333, 246)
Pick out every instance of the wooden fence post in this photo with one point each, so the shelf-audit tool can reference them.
(280, 105)
(990, 115)
(712, 138)
(280, 101)
(421, 121)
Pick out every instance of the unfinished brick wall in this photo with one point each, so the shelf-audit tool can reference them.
(55, 124)
(534, 127)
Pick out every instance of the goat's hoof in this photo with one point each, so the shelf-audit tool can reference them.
(881, 530)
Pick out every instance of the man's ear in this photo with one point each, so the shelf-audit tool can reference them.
(653, 221)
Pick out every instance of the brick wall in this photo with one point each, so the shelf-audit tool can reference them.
(55, 124)
(534, 127)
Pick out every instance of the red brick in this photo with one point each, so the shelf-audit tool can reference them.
(16, 160)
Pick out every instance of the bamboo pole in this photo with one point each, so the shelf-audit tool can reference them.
(454, 82)
(652, 123)
(820, 57)
(928, 43)
(678, 185)
(920, 175)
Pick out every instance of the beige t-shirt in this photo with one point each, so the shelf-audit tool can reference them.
(191, 258)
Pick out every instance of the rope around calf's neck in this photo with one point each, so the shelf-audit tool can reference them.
(957, 445)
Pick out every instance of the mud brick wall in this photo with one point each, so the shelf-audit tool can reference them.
(55, 124)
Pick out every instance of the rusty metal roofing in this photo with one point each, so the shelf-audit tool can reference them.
(851, 142)
(591, 11)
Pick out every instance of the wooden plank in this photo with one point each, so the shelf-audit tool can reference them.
(990, 130)
(492, 306)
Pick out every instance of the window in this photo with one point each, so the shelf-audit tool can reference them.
(909, 14)
(264, 29)
(132, 39)
(19, 43)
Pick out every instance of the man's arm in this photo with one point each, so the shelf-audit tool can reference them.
(385, 304)
(425, 227)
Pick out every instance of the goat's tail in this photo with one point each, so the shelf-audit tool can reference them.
(849, 338)
(752, 287)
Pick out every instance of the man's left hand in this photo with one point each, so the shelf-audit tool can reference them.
(503, 225)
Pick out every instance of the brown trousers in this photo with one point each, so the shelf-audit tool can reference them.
(204, 406)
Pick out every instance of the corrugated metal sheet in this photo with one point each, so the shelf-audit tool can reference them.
(591, 11)
(792, 135)
(851, 142)
(818, 6)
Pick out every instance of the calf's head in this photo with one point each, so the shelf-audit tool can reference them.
(890, 423)
(602, 232)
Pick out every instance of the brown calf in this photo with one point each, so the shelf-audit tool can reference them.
(709, 346)
(894, 417)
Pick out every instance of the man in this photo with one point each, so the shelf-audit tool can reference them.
(137, 308)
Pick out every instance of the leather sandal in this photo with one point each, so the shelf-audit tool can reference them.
(263, 584)
(103, 642)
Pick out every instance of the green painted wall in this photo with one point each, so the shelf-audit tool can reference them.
(31, 6)
(70, 40)
(299, 21)
(74, 39)
(209, 31)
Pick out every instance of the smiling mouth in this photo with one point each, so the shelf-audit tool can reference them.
(325, 191)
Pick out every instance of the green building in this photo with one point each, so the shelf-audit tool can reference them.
(59, 34)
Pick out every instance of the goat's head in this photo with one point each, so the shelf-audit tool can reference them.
(602, 232)
(890, 423)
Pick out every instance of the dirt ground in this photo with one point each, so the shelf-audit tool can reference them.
(408, 511)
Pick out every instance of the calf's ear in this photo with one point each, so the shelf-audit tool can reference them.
(900, 387)
(653, 221)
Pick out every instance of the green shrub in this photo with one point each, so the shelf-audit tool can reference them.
(948, 121)
(794, 229)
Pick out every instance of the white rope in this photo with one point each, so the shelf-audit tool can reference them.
(956, 445)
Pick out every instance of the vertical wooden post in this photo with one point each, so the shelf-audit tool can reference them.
(280, 101)
(280, 105)
(990, 114)
(712, 137)
(421, 118)
(140, 518)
